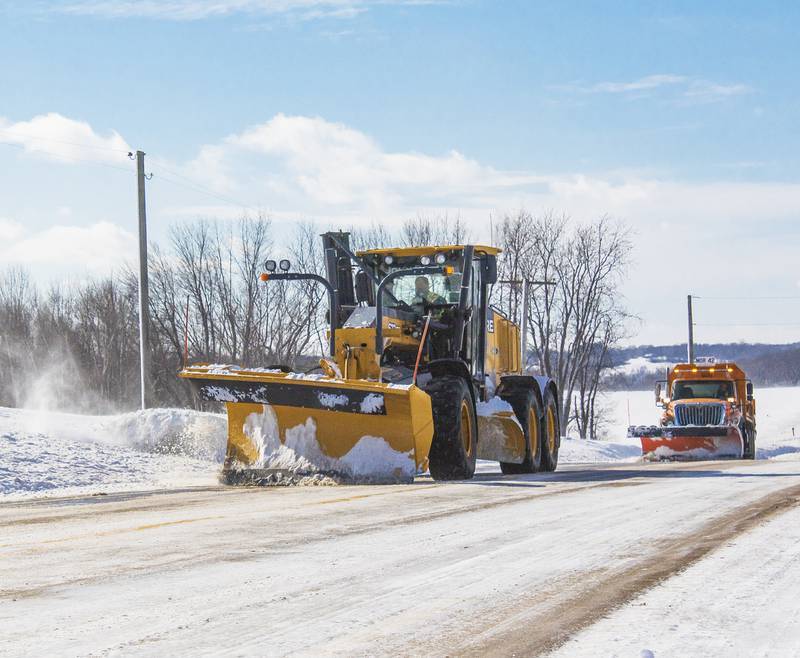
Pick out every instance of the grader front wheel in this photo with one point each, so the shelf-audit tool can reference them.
(455, 430)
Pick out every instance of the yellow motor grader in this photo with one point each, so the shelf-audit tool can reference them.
(423, 374)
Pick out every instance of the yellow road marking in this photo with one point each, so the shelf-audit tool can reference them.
(360, 496)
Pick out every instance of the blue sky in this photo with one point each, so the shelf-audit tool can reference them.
(679, 118)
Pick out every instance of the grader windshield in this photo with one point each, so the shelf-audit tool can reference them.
(431, 289)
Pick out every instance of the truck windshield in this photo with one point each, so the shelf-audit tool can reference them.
(688, 390)
(435, 288)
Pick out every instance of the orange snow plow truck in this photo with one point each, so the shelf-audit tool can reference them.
(709, 413)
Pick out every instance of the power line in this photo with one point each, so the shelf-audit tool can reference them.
(64, 158)
(795, 297)
(747, 324)
(191, 185)
(64, 141)
(170, 178)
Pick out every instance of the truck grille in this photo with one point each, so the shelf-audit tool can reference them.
(699, 414)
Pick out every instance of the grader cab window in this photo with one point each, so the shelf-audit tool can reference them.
(433, 289)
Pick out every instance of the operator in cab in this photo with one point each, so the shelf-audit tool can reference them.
(424, 294)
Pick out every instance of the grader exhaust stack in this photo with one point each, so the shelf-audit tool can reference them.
(422, 375)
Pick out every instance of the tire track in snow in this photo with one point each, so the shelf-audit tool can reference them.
(528, 630)
(278, 544)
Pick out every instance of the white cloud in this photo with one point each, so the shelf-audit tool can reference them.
(330, 168)
(191, 10)
(9, 230)
(648, 82)
(686, 88)
(96, 249)
(311, 167)
(710, 92)
(57, 137)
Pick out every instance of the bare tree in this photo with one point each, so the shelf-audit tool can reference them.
(374, 236)
(568, 321)
(430, 231)
(205, 295)
(588, 416)
(18, 305)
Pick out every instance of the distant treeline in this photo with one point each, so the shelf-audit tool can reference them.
(765, 364)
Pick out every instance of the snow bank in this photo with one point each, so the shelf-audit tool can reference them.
(582, 451)
(786, 449)
(49, 453)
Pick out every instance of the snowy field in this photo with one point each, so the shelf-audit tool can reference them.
(58, 454)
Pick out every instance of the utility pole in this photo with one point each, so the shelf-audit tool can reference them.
(144, 297)
(690, 344)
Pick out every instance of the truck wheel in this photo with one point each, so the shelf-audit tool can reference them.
(552, 433)
(748, 442)
(526, 408)
(455, 429)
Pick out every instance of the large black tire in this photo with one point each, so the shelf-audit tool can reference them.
(551, 433)
(455, 429)
(529, 414)
(749, 441)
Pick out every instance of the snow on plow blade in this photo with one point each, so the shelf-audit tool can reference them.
(688, 443)
(289, 425)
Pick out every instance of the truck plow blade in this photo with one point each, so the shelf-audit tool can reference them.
(286, 426)
(692, 443)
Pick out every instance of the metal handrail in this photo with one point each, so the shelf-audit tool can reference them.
(333, 298)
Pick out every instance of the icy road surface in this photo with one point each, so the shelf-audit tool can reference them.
(677, 559)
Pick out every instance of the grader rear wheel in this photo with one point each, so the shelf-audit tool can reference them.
(552, 433)
(528, 412)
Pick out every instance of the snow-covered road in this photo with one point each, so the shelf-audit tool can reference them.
(589, 559)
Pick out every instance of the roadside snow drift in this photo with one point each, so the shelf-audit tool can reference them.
(46, 453)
